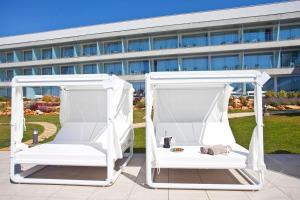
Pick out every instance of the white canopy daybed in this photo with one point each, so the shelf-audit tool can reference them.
(192, 108)
(96, 117)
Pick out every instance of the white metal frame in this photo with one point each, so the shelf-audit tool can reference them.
(255, 77)
(16, 176)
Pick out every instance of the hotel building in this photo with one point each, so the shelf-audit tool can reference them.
(263, 37)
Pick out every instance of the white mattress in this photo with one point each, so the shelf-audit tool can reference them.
(62, 154)
(192, 158)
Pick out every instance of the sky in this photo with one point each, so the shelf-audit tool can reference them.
(30, 16)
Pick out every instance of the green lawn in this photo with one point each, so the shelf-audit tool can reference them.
(281, 132)
(138, 116)
(5, 133)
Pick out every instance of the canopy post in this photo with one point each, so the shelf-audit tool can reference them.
(148, 132)
(110, 160)
(260, 125)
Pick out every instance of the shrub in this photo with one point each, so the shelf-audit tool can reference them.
(140, 104)
(244, 101)
(47, 98)
(274, 103)
(292, 94)
(3, 98)
(270, 94)
(282, 93)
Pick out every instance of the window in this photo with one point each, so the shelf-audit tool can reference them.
(112, 47)
(194, 40)
(27, 55)
(67, 70)
(165, 43)
(258, 61)
(138, 45)
(67, 52)
(27, 71)
(220, 38)
(113, 68)
(89, 50)
(258, 35)
(195, 64)
(90, 69)
(9, 57)
(138, 67)
(9, 74)
(290, 32)
(47, 71)
(139, 89)
(225, 62)
(47, 54)
(290, 59)
(166, 65)
(288, 83)
(53, 91)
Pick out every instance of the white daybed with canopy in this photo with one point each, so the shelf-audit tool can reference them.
(192, 108)
(96, 117)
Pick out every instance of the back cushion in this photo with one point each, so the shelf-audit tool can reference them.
(183, 133)
(217, 133)
(75, 132)
(195, 133)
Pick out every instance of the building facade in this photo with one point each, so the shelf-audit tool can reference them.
(263, 37)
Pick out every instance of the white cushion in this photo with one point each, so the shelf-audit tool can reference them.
(195, 133)
(192, 158)
(62, 154)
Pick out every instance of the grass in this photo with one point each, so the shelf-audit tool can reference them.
(240, 111)
(138, 116)
(281, 132)
(5, 133)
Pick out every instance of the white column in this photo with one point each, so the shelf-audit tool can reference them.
(109, 158)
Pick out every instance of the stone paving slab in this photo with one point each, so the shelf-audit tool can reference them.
(282, 182)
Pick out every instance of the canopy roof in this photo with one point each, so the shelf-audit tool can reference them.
(102, 80)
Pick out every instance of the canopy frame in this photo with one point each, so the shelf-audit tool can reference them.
(258, 79)
(17, 125)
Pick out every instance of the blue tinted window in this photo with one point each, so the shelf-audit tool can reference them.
(112, 47)
(9, 74)
(27, 55)
(194, 40)
(89, 50)
(258, 35)
(90, 69)
(258, 61)
(290, 32)
(165, 43)
(237, 88)
(220, 38)
(288, 83)
(47, 54)
(225, 62)
(138, 67)
(47, 71)
(67, 52)
(166, 65)
(27, 71)
(10, 57)
(67, 70)
(194, 64)
(113, 68)
(138, 45)
(139, 89)
(290, 59)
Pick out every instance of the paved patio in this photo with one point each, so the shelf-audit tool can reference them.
(282, 182)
